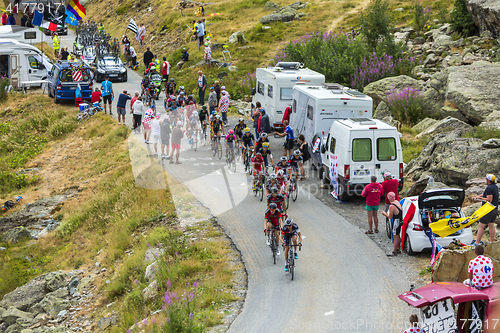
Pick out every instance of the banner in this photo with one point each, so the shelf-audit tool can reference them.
(334, 168)
(438, 317)
(316, 146)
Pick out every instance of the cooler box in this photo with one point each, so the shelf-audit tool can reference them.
(96, 104)
(83, 106)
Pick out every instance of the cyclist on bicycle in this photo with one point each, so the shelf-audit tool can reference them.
(181, 89)
(295, 161)
(193, 126)
(216, 129)
(211, 119)
(266, 152)
(230, 140)
(289, 234)
(270, 183)
(145, 85)
(282, 181)
(277, 198)
(203, 114)
(283, 164)
(171, 87)
(272, 221)
(239, 128)
(152, 94)
(258, 167)
(246, 142)
(263, 138)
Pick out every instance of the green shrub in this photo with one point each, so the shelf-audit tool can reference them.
(421, 16)
(407, 105)
(461, 20)
(484, 133)
(377, 24)
(4, 82)
(124, 9)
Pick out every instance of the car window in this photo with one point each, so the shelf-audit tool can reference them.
(55, 72)
(386, 149)
(333, 141)
(67, 75)
(361, 150)
(33, 62)
(310, 112)
(285, 94)
(270, 91)
(441, 197)
(260, 88)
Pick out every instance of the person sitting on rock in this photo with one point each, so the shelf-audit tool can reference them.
(480, 270)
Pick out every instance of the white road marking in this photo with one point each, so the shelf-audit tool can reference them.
(329, 313)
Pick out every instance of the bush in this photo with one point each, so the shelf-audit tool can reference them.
(377, 24)
(4, 82)
(407, 105)
(373, 69)
(421, 16)
(122, 10)
(461, 21)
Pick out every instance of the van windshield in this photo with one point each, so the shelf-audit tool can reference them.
(361, 150)
(67, 75)
(386, 149)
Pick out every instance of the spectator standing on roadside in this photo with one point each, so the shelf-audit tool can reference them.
(490, 195)
(132, 101)
(148, 57)
(264, 124)
(202, 85)
(256, 117)
(5, 19)
(201, 34)
(372, 192)
(55, 42)
(121, 106)
(304, 151)
(155, 127)
(286, 115)
(395, 212)
(142, 33)
(133, 57)
(217, 92)
(480, 270)
(224, 106)
(165, 71)
(146, 123)
(11, 19)
(64, 53)
(184, 58)
(177, 136)
(24, 19)
(137, 110)
(208, 55)
(107, 93)
(390, 185)
(288, 144)
(165, 131)
(414, 325)
(212, 100)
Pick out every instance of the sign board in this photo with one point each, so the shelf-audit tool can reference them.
(334, 166)
(30, 35)
(439, 317)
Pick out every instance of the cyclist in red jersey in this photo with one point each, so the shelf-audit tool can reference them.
(276, 198)
(282, 183)
(272, 221)
(258, 166)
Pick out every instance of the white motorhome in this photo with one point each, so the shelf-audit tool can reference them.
(315, 108)
(23, 64)
(274, 88)
(22, 34)
(365, 148)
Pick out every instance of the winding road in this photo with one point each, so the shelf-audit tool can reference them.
(344, 282)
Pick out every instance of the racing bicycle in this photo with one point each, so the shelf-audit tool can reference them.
(293, 190)
(230, 158)
(217, 147)
(272, 243)
(248, 160)
(259, 185)
(291, 258)
(194, 140)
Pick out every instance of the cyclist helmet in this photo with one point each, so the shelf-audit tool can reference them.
(264, 135)
(258, 153)
(288, 222)
(172, 80)
(297, 152)
(274, 190)
(273, 206)
(213, 112)
(283, 158)
(241, 119)
(217, 117)
(247, 130)
(281, 173)
(195, 113)
(190, 96)
(231, 132)
(181, 87)
(273, 176)
(265, 145)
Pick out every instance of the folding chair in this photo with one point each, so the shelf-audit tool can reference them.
(225, 49)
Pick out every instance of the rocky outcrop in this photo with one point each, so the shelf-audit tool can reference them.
(445, 125)
(14, 235)
(486, 15)
(379, 90)
(285, 14)
(424, 124)
(271, 5)
(237, 37)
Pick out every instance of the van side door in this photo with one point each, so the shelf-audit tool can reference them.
(15, 70)
(36, 69)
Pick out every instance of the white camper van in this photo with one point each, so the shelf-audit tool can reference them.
(22, 34)
(274, 88)
(24, 64)
(365, 148)
(315, 108)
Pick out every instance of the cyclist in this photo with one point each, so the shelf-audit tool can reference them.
(283, 165)
(258, 167)
(289, 234)
(277, 198)
(246, 142)
(282, 183)
(193, 126)
(213, 114)
(145, 85)
(263, 138)
(181, 89)
(203, 114)
(295, 161)
(230, 140)
(216, 129)
(152, 93)
(272, 221)
(266, 152)
(239, 128)
(270, 183)
(171, 87)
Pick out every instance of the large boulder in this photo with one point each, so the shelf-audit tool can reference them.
(424, 124)
(445, 125)
(237, 37)
(56, 280)
(271, 5)
(27, 295)
(491, 143)
(418, 187)
(53, 305)
(382, 111)
(486, 15)
(285, 14)
(14, 235)
(379, 90)
(12, 314)
(442, 42)
(492, 121)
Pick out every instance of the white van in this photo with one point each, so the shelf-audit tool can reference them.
(24, 64)
(315, 108)
(365, 148)
(274, 88)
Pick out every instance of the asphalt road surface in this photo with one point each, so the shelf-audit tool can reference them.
(344, 282)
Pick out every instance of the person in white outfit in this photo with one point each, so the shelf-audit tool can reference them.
(155, 127)
(137, 110)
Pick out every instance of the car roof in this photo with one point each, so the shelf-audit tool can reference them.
(439, 291)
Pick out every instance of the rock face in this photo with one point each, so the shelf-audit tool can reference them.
(23, 297)
(12, 315)
(486, 14)
(424, 124)
(379, 90)
(445, 125)
(237, 37)
(14, 235)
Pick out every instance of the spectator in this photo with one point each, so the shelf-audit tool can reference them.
(224, 107)
(184, 58)
(64, 53)
(11, 19)
(147, 58)
(177, 136)
(414, 325)
(212, 100)
(490, 195)
(137, 110)
(264, 124)
(23, 20)
(194, 31)
(286, 115)
(125, 44)
(256, 117)
(157, 64)
(5, 19)
(142, 33)
(165, 131)
(208, 55)
(395, 212)
(480, 270)
(96, 96)
(55, 42)
(217, 92)
(390, 185)
(29, 24)
(373, 193)
(121, 106)
(155, 126)
(133, 57)
(201, 34)
(165, 71)
(146, 123)
(304, 151)
(288, 145)
(107, 93)
(202, 85)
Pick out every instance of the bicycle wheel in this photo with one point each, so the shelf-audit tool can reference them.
(214, 149)
(288, 198)
(295, 191)
(195, 142)
(219, 149)
(255, 191)
(273, 246)
(292, 263)
(261, 193)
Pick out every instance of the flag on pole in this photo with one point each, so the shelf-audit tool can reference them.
(133, 27)
(55, 15)
(37, 18)
(52, 27)
(76, 9)
(71, 18)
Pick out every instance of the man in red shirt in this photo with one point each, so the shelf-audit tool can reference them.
(390, 185)
(96, 96)
(165, 71)
(373, 192)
